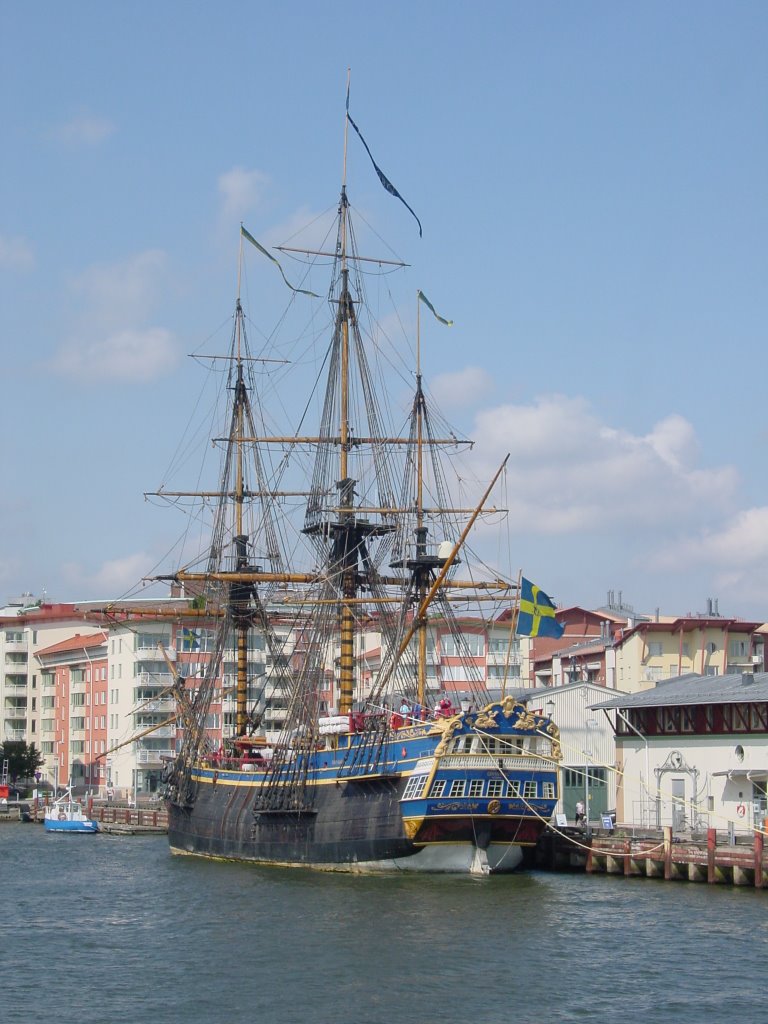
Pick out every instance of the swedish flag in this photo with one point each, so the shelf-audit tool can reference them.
(190, 640)
(536, 616)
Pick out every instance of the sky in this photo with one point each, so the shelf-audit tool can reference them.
(592, 180)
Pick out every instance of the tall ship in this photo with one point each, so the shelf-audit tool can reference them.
(330, 546)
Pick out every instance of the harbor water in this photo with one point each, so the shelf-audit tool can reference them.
(114, 929)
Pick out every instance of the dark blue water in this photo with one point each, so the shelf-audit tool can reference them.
(110, 930)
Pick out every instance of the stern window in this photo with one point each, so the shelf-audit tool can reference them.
(415, 787)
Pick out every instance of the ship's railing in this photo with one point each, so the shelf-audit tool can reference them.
(494, 761)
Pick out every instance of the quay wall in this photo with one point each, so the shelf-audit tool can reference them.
(713, 858)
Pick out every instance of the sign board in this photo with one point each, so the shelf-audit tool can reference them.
(607, 822)
(561, 820)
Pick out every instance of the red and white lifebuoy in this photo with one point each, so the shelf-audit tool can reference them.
(741, 810)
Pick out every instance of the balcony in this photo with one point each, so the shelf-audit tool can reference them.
(161, 706)
(154, 757)
(161, 680)
(15, 734)
(159, 732)
(16, 683)
(16, 646)
(500, 658)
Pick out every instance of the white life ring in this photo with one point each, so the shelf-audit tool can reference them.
(741, 810)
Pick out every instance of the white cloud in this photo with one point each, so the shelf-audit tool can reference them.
(568, 471)
(84, 129)
(242, 192)
(122, 292)
(16, 253)
(114, 577)
(111, 340)
(465, 388)
(733, 555)
(740, 543)
(129, 355)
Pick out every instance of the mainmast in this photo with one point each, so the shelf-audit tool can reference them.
(421, 530)
(347, 552)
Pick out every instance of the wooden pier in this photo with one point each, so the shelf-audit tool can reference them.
(119, 819)
(129, 820)
(713, 858)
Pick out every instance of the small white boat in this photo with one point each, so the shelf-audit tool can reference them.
(67, 815)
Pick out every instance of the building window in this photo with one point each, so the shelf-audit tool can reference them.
(530, 790)
(688, 719)
(151, 641)
(655, 649)
(499, 671)
(476, 787)
(548, 789)
(740, 718)
(497, 645)
(457, 788)
(514, 788)
(495, 787)
(438, 787)
(466, 643)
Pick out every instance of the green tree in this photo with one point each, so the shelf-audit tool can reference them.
(23, 759)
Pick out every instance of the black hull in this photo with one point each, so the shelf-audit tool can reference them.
(351, 823)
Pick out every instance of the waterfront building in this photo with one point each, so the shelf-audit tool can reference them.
(708, 645)
(484, 651)
(691, 752)
(554, 662)
(28, 625)
(587, 742)
(73, 716)
(634, 655)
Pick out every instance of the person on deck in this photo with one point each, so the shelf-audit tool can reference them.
(444, 709)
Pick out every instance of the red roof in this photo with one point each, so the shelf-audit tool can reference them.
(75, 643)
(689, 623)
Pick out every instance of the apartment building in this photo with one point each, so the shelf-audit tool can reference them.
(73, 711)
(484, 653)
(26, 627)
(705, 645)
